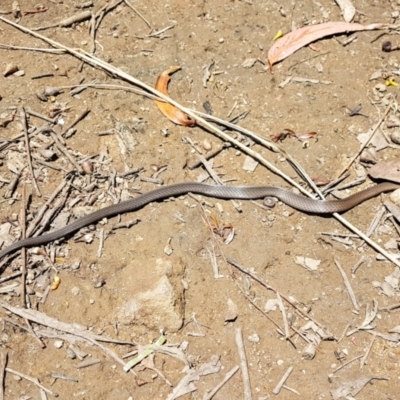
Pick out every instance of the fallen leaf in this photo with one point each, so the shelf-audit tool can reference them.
(347, 8)
(387, 170)
(171, 112)
(299, 38)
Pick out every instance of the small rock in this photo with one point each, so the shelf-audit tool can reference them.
(58, 344)
(395, 197)
(156, 300)
(395, 136)
(232, 312)
(254, 338)
(75, 290)
(207, 145)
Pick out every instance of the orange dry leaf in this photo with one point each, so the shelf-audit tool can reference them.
(299, 38)
(171, 112)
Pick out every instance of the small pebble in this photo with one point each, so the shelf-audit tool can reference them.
(395, 136)
(71, 354)
(75, 290)
(87, 167)
(395, 197)
(206, 145)
(254, 338)
(58, 344)
(279, 362)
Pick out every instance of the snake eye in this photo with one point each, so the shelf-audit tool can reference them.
(269, 202)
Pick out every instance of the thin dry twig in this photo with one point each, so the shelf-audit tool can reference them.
(365, 356)
(281, 383)
(23, 250)
(28, 150)
(347, 363)
(45, 320)
(138, 13)
(52, 51)
(39, 215)
(348, 285)
(3, 366)
(228, 375)
(378, 124)
(243, 364)
(269, 287)
(33, 380)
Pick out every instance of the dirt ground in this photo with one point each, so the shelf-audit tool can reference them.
(226, 33)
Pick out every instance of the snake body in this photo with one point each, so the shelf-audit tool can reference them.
(223, 192)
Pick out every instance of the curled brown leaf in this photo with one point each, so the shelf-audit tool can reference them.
(171, 112)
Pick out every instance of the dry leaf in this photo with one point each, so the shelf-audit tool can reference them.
(347, 8)
(299, 38)
(387, 170)
(171, 112)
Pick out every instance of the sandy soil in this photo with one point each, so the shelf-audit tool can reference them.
(227, 33)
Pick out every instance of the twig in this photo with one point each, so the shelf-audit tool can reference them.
(45, 320)
(13, 184)
(347, 363)
(343, 333)
(138, 13)
(213, 260)
(390, 308)
(278, 387)
(358, 264)
(368, 140)
(243, 364)
(365, 356)
(57, 207)
(209, 155)
(285, 321)
(10, 47)
(39, 215)
(33, 380)
(348, 286)
(3, 366)
(11, 276)
(23, 250)
(28, 150)
(26, 328)
(228, 375)
(161, 31)
(209, 169)
(269, 287)
(64, 150)
(81, 116)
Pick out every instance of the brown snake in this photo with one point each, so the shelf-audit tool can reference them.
(223, 192)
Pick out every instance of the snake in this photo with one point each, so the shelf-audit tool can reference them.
(291, 199)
